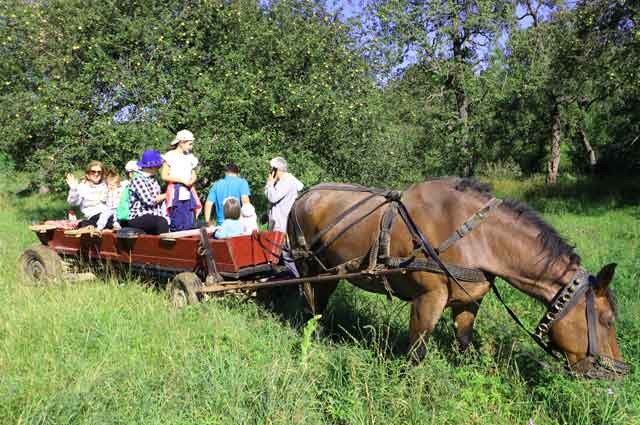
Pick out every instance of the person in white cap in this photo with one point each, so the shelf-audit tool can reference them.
(281, 190)
(122, 211)
(179, 170)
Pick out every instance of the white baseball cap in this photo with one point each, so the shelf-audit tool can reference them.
(182, 136)
(131, 166)
(279, 163)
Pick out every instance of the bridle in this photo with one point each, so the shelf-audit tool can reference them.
(595, 364)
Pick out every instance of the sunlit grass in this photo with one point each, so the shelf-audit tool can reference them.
(113, 351)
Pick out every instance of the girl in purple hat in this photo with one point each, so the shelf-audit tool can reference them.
(145, 197)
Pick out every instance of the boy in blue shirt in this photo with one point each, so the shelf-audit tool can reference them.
(231, 186)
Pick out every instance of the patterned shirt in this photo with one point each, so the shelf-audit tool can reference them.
(142, 197)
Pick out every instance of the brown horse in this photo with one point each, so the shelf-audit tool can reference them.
(513, 242)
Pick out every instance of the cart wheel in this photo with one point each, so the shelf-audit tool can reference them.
(182, 289)
(40, 264)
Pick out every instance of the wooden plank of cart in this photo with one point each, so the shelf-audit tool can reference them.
(195, 263)
(192, 260)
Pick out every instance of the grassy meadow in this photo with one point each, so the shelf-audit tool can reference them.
(113, 351)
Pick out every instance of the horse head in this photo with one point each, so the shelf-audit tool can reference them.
(581, 324)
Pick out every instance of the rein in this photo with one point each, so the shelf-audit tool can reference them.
(421, 243)
(563, 302)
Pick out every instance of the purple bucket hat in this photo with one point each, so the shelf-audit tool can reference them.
(150, 159)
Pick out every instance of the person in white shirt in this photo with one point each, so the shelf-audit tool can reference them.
(179, 171)
(115, 187)
(281, 190)
(90, 194)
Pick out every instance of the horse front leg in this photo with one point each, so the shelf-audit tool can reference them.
(426, 310)
(464, 316)
(318, 294)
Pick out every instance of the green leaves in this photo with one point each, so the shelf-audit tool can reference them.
(259, 80)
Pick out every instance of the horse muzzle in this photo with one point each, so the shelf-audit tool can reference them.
(600, 367)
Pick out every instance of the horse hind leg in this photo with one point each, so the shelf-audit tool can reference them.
(426, 310)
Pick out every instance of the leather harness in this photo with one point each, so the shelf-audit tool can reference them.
(566, 299)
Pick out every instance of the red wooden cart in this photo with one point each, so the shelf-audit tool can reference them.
(195, 263)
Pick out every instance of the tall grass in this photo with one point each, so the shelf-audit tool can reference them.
(113, 351)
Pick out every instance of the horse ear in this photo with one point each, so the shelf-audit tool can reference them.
(605, 276)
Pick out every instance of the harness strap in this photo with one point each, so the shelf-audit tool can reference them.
(340, 217)
(328, 243)
(385, 230)
(468, 225)
(428, 250)
(428, 265)
(591, 324)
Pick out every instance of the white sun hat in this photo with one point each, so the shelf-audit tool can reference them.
(182, 136)
(131, 166)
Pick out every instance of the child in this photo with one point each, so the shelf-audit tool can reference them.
(248, 219)
(114, 192)
(231, 226)
(122, 211)
(179, 171)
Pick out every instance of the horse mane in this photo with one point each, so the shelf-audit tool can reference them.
(554, 245)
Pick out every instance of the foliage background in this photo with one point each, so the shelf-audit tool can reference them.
(383, 98)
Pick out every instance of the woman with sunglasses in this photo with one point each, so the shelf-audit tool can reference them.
(90, 194)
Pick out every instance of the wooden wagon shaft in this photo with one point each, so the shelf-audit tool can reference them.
(297, 281)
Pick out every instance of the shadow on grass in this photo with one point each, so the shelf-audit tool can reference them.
(585, 196)
(365, 320)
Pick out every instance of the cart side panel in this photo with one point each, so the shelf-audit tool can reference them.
(224, 256)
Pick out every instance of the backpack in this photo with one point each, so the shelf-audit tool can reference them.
(122, 211)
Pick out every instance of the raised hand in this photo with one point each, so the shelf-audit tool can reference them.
(72, 181)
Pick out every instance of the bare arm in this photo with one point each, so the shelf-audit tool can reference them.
(193, 178)
(165, 173)
(244, 200)
(208, 206)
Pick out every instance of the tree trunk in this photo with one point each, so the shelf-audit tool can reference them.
(593, 160)
(554, 154)
(462, 101)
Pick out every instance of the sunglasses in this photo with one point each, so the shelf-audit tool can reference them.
(95, 172)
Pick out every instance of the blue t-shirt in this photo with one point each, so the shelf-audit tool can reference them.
(229, 186)
(229, 229)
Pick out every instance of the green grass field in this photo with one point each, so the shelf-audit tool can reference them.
(113, 351)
